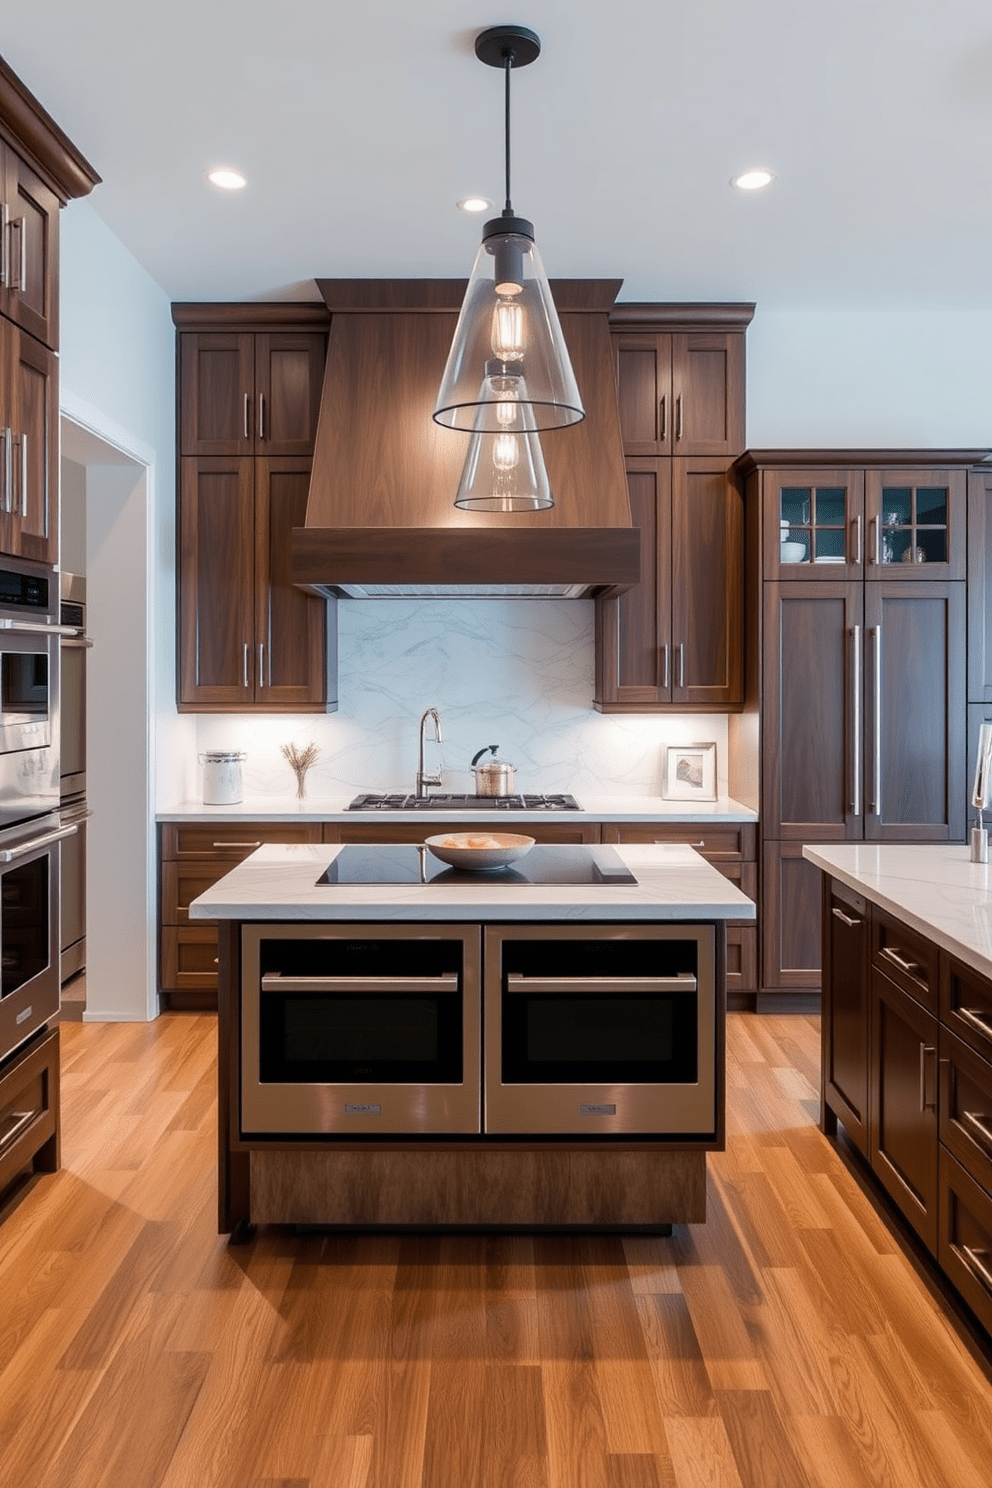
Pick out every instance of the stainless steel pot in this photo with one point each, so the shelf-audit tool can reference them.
(496, 777)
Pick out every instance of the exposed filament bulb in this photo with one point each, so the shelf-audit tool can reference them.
(508, 331)
(506, 454)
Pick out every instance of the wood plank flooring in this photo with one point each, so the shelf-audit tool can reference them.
(790, 1342)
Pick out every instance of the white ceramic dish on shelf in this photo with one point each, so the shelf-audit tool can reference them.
(479, 851)
(793, 552)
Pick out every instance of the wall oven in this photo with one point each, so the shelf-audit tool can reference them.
(600, 1030)
(360, 1030)
(29, 690)
(29, 928)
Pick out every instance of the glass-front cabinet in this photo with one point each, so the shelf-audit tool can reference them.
(841, 523)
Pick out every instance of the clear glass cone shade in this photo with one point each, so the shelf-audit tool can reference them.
(519, 329)
(504, 472)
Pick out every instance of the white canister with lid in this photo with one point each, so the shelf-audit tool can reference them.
(222, 782)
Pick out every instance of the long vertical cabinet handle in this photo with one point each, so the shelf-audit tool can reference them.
(663, 420)
(927, 1103)
(5, 471)
(21, 282)
(4, 248)
(858, 524)
(681, 664)
(247, 416)
(22, 440)
(664, 652)
(261, 415)
(678, 417)
(856, 721)
(876, 804)
(246, 662)
(261, 665)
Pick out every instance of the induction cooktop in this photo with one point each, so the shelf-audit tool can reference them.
(386, 863)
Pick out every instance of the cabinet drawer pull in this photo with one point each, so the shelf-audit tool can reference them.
(981, 1022)
(237, 844)
(276, 981)
(684, 981)
(846, 919)
(667, 842)
(979, 1128)
(911, 968)
(925, 1051)
(977, 1263)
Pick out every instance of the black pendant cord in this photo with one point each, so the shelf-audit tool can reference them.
(508, 60)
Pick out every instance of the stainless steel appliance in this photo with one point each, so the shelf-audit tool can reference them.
(29, 927)
(73, 646)
(360, 1030)
(600, 1029)
(496, 777)
(444, 801)
(29, 691)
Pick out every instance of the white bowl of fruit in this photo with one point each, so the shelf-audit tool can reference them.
(479, 851)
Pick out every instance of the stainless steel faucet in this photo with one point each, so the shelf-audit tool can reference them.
(423, 781)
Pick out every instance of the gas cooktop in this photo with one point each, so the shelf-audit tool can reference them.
(403, 864)
(374, 801)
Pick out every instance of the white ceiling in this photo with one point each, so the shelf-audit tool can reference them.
(360, 125)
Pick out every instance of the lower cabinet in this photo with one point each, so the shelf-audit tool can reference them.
(907, 1071)
(29, 1110)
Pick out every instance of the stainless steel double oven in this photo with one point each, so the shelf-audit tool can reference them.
(29, 799)
(503, 1030)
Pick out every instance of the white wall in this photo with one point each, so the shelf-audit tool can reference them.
(117, 383)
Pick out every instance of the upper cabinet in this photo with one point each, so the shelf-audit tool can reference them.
(29, 249)
(244, 393)
(29, 397)
(676, 639)
(906, 522)
(681, 392)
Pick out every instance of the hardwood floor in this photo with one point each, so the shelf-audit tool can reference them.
(789, 1342)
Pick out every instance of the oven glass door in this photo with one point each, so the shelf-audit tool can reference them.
(29, 965)
(25, 693)
(603, 1032)
(350, 1032)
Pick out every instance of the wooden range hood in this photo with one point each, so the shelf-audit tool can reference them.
(381, 520)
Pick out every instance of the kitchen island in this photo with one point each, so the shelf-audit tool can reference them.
(907, 1039)
(434, 1175)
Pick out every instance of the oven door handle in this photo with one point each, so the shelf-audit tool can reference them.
(30, 627)
(684, 982)
(9, 854)
(274, 981)
(75, 640)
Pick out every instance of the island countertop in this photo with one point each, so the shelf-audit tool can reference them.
(935, 889)
(279, 882)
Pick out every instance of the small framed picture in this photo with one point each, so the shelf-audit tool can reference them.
(690, 772)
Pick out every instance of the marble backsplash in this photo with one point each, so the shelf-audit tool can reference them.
(517, 673)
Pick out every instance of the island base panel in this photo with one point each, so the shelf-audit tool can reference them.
(533, 1188)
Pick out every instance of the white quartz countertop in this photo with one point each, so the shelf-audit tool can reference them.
(335, 809)
(936, 890)
(280, 883)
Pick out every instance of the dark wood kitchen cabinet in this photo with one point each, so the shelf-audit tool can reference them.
(675, 640)
(29, 249)
(249, 393)
(249, 639)
(29, 397)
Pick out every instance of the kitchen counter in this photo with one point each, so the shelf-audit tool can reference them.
(936, 890)
(279, 882)
(335, 809)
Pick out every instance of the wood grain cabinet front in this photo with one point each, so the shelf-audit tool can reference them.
(30, 1122)
(192, 857)
(29, 410)
(249, 393)
(681, 392)
(29, 249)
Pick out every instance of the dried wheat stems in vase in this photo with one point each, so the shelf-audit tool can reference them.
(301, 760)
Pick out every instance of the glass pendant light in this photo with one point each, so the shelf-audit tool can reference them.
(505, 471)
(508, 330)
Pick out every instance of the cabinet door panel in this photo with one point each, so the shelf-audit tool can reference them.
(707, 585)
(845, 1010)
(707, 389)
(217, 403)
(290, 625)
(288, 373)
(979, 588)
(216, 620)
(35, 428)
(917, 524)
(644, 393)
(903, 1131)
(824, 533)
(32, 231)
(634, 655)
(812, 703)
(790, 918)
(915, 712)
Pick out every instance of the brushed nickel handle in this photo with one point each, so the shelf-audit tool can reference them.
(681, 664)
(981, 1022)
(22, 440)
(858, 521)
(678, 417)
(876, 805)
(246, 662)
(261, 663)
(21, 282)
(845, 919)
(665, 649)
(663, 418)
(925, 1051)
(684, 982)
(856, 722)
(5, 435)
(14, 1122)
(911, 968)
(977, 1264)
(274, 981)
(4, 248)
(237, 844)
(261, 415)
(873, 536)
(10, 854)
(979, 1128)
(247, 416)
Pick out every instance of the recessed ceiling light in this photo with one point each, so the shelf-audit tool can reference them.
(754, 179)
(474, 204)
(226, 179)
